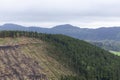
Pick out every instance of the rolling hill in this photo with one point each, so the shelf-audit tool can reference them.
(27, 59)
(37, 56)
(95, 36)
(111, 33)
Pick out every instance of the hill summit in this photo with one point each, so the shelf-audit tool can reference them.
(37, 56)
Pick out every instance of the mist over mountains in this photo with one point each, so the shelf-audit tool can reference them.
(111, 33)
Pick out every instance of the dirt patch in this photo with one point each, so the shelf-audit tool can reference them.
(15, 65)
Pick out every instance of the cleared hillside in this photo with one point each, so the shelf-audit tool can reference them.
(56, 57)
(26, 59)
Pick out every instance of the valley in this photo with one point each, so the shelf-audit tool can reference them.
(59, 40)
(115, 52)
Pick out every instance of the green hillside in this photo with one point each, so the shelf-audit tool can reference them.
(54, 57)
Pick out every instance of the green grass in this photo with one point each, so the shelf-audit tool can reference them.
(115, 52)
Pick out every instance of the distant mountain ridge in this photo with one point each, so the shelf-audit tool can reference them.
(111, 33)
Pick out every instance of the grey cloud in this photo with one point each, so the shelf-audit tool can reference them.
(59, 10)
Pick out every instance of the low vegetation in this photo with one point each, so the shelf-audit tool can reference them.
(115, 52)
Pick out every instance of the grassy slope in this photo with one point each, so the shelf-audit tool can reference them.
(115, 52)
(28, 59)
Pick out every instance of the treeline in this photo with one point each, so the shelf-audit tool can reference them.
(87, 61)
(14, 34)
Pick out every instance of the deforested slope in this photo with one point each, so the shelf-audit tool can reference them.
(26, 59)
(31, 55)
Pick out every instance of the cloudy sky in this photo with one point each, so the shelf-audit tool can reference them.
(48, 13)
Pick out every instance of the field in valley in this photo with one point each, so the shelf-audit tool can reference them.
(115, 52)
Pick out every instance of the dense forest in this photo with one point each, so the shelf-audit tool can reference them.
(87, 61)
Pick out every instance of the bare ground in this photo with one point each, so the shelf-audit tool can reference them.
(26, 59)
(15, 65)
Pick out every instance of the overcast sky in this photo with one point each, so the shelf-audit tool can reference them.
(48, 13)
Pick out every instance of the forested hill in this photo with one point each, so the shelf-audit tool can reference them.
(110, 33)
(83, 60)
(97, 36)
